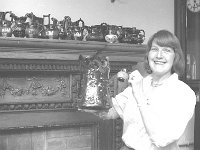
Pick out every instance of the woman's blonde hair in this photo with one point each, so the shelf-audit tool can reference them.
(167, 39)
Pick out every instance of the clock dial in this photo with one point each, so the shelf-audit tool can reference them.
(193, 5)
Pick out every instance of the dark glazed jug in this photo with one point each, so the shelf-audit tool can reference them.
(98, 32)
(51, 30)
(95, 88)
(6, 30)
(18, 25)
(132, 35)
(34, 26)
(5, 24)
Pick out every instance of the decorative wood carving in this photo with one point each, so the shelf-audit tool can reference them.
(118, 134)
(40, 88)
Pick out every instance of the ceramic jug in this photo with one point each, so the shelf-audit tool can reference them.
(34, 26)
(132, 35)
(18, 25)
(53, 31)
(95, 89)
(114, 33)
(140, 36)
(6, 30)
(98, 32)
(5, 24)
(50, 30)
(2, 18)
(78, 30)
(66, 31)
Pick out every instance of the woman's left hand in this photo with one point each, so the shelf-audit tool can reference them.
(135, 80)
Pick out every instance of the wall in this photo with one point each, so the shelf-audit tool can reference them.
(150, 15)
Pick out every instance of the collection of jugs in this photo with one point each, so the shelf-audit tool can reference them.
(31, 26)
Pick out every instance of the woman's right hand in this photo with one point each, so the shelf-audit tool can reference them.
(110, 114)
(103, 115)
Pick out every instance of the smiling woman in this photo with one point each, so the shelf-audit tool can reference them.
(161, 60)
(163, 46)
(148, 106)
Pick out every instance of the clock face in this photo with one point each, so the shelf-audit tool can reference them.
(193, 5)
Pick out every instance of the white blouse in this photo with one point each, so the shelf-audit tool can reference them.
(173, 105)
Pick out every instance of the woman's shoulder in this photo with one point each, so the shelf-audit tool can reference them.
(183, 86)
(183, 89)
(180, 92)
(177, 83)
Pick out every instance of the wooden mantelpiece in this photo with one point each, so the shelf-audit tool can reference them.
(23, 48)
(40, 85)
(32, 63)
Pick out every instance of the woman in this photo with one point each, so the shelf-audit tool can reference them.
(155, 109)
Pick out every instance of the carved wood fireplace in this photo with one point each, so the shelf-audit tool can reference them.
(40, 82)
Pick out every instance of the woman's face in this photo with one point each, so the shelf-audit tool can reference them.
(161, 59)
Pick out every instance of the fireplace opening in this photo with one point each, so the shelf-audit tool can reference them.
(77, 137)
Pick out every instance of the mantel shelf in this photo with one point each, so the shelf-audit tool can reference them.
(26, 48)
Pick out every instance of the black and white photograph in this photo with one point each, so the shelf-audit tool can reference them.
(100, 75)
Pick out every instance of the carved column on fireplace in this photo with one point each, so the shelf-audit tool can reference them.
(40, 85)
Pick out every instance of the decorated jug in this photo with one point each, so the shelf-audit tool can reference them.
(5, 24)
(18, 25)
(95, 82)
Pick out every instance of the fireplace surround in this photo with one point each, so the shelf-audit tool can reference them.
(40, 82)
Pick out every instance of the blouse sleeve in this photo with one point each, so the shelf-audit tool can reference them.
(173, 116)
(120, 100)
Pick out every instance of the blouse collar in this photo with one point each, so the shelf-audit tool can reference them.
(172, 78)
